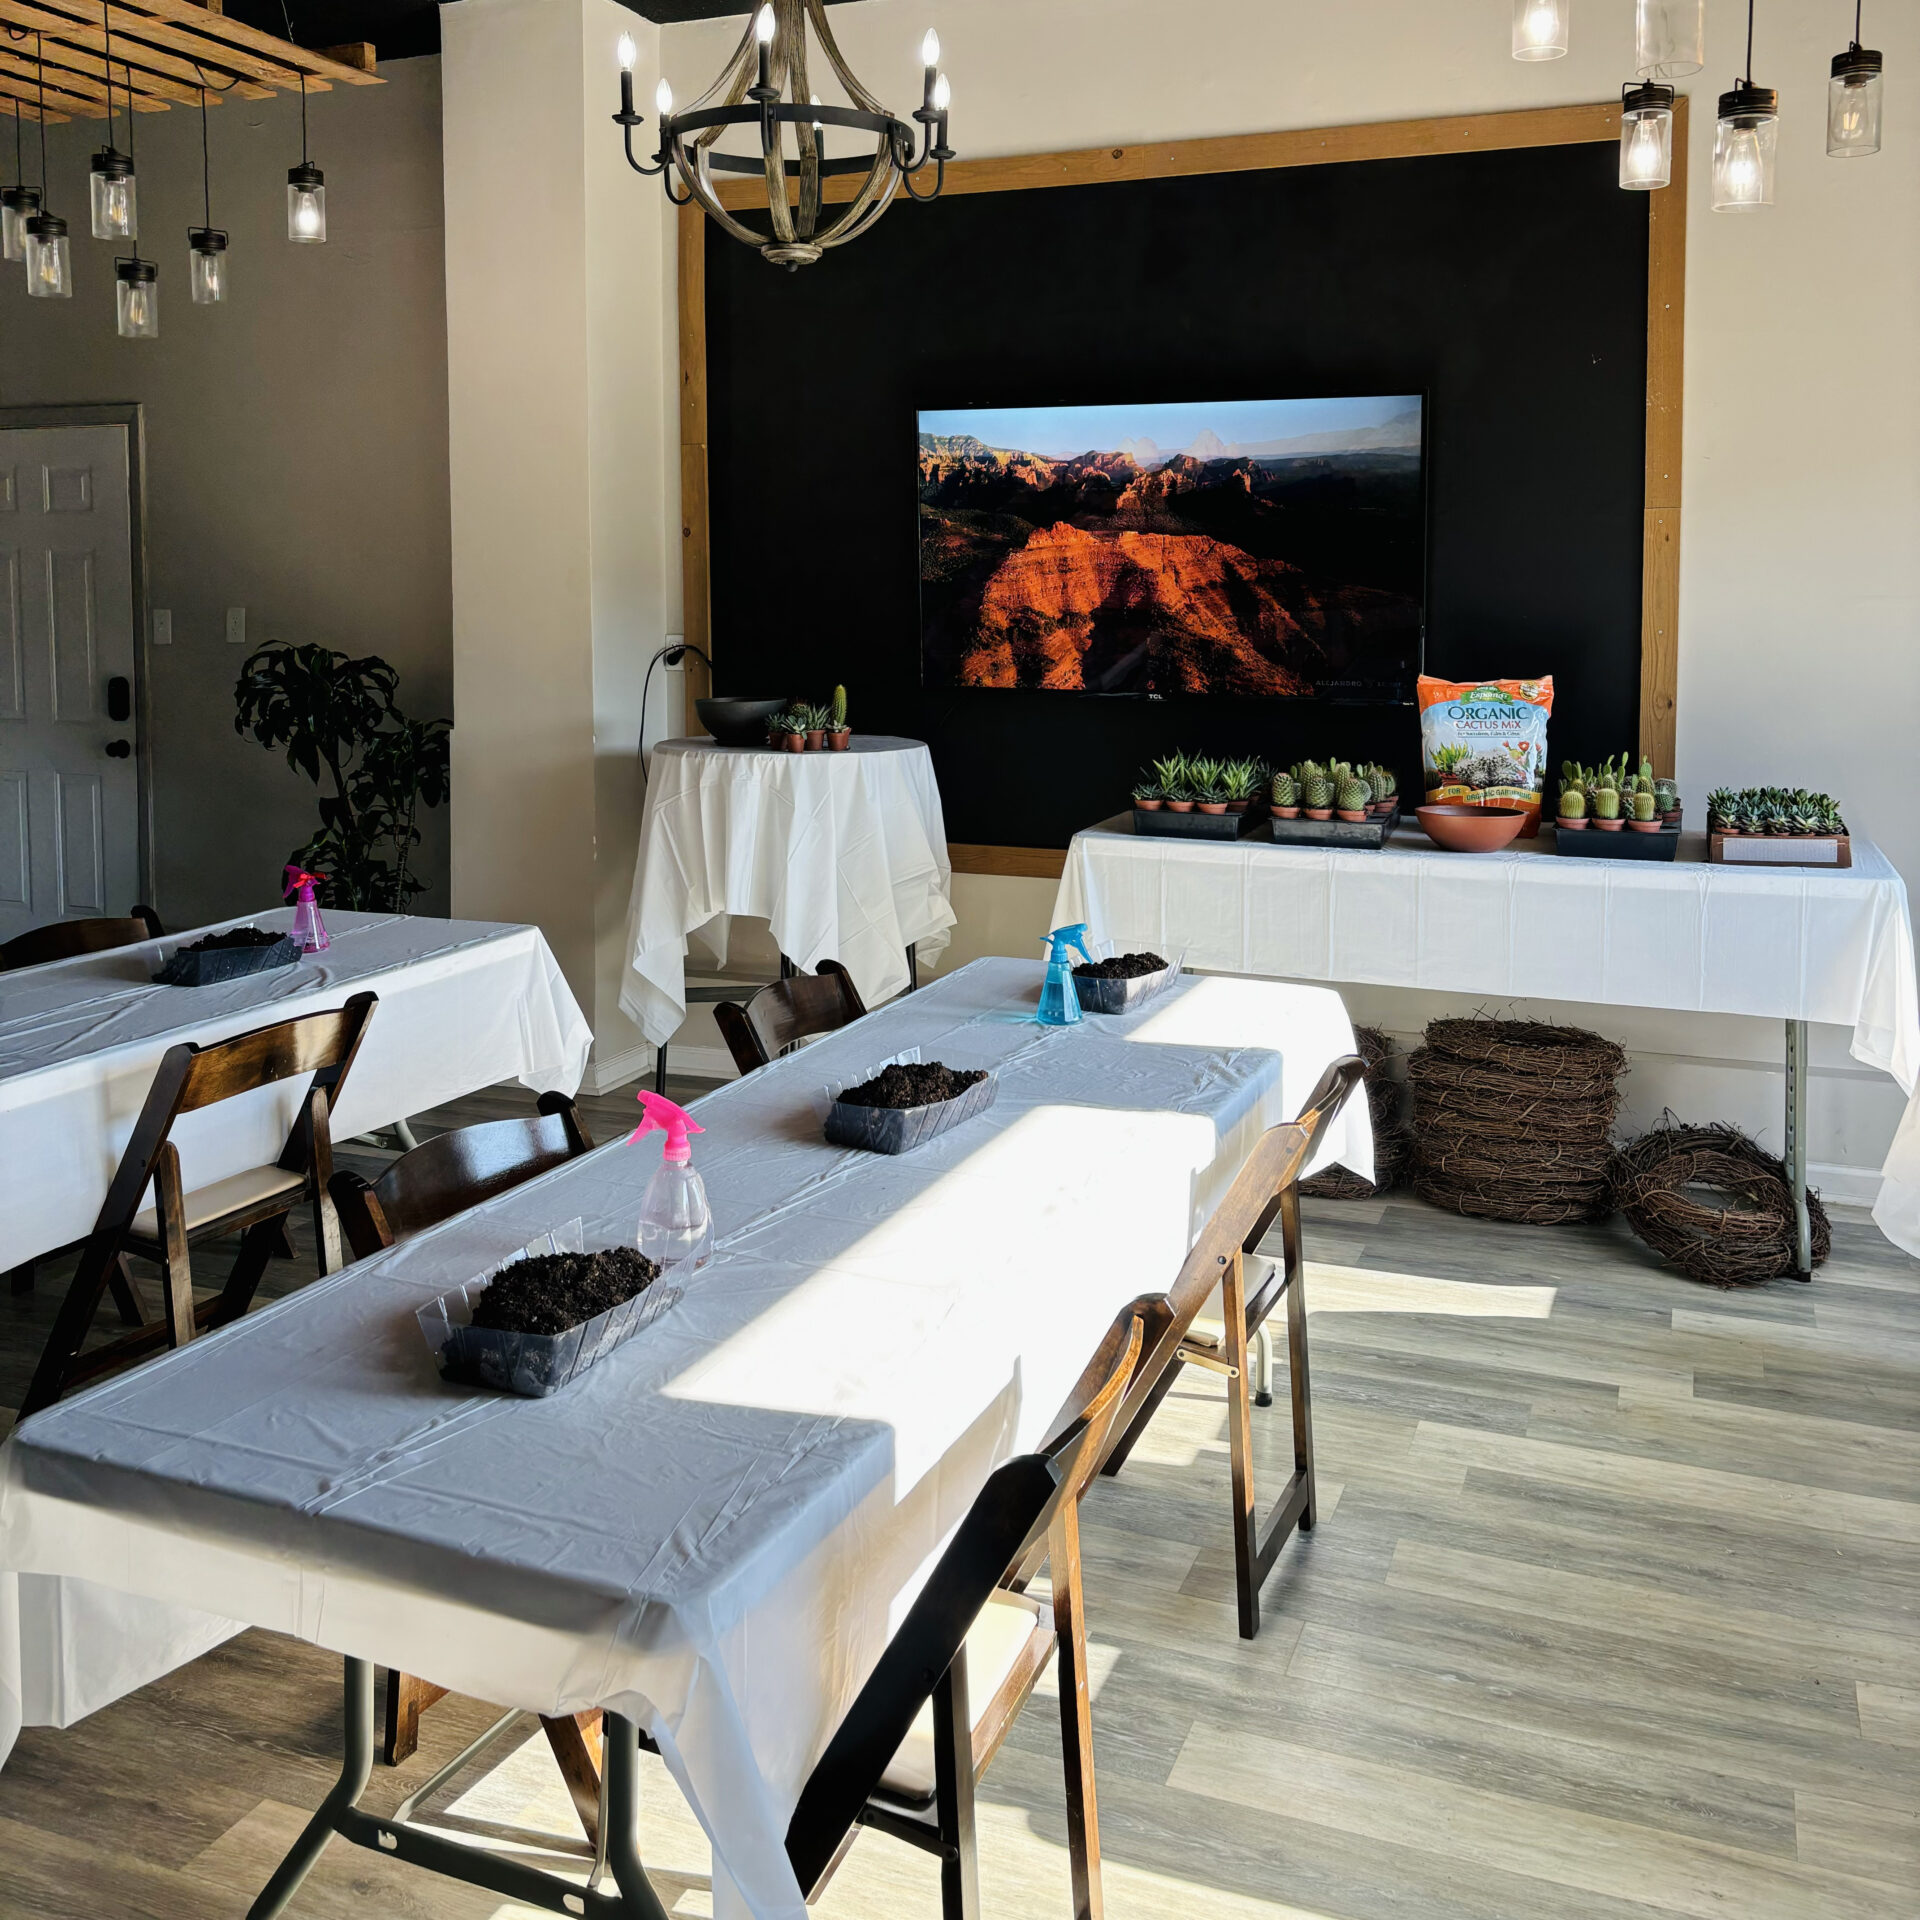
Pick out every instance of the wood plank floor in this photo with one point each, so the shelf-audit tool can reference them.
(1614, 1609)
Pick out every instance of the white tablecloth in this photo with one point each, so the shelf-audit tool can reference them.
(845, 854)
(716, 1529)
(464, 1004)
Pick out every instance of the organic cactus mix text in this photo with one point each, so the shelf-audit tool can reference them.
(1483, 743)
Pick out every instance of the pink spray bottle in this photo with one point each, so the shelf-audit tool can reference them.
(308, 928)
(676, 1226)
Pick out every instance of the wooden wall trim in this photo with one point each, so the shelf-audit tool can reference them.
(1018, 863)
(1248, 152)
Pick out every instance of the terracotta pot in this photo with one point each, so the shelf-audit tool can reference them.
(1148, 806)
(1353, 813)
(793, 742)
(1238, 806)
(1380, 808)
(1608, 826)
(1319, 813)
(1572, 826)
(816, 739)
(1288, 813)
(1463, 829)
(840, 741)
(1213, 806)
(1179, 806)
(1644, 826)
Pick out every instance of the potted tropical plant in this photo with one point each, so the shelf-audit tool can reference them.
(839, 734)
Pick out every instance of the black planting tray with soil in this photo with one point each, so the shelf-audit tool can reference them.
(542, 1320)
(906, 1104)
(1122, 983)
(227, 956)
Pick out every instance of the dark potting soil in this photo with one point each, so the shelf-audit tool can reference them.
(233, 940)
(916, 1085)
(550, 1292)
(1123, 966)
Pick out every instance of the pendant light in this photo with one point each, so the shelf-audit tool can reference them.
(1853, 100)
(110, 181)
(1669, 38)
(1745, 141)
(49, 263)
(306, 184)
(18, 203)
(137, 298)
(1646, 136)
(207, 245)
(1540, 28)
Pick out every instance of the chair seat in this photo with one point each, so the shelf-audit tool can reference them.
(235, 1194)
(1008, 1625)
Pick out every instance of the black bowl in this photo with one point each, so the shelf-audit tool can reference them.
(738, 723)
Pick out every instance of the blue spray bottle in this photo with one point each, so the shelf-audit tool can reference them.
(1059, 997)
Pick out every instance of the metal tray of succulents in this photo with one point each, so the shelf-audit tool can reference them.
(1370, 832)
(532, 1365)
(1197, 825)
(1598, 843)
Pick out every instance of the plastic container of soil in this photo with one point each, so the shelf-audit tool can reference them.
(900, 1128)
(533, 1364)
(1123, 983)
(231, 955)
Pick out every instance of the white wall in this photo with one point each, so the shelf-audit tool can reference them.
(1800, 578)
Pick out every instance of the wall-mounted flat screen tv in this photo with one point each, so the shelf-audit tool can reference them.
(1264, 548)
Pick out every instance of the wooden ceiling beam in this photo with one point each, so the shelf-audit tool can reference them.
(67, 85)
(86, 65)
(236, 35)
(143, 58)
(13, 96)
(26, 87)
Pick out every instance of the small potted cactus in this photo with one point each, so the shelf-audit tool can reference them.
(839, 734)
(1209, 784)
(1286, 796)
(1317, 796)
(1384, 787)
(1666, 795)
(1352, 797)
(1606, 809)
(1646, 816)
(1573, 800)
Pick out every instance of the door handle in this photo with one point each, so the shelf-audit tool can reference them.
(119, 749)
(119, 700)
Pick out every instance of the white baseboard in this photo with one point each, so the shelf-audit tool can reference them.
(636, 1063)
(1844, 1186)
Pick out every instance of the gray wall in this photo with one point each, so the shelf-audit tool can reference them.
(296, 440)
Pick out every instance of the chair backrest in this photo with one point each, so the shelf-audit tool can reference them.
(453, 1171)
(989, 1548)
(788, 1011)
(68, 939)
(192, 1076)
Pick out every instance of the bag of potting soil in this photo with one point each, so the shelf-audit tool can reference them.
(1483, 743)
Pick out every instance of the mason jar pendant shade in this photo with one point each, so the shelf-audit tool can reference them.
(1540, 28)
(1853, 104)
(1646, 136)
(111, 189)
(49, 264)
(306, 204)
(137, 296)
(207, 265)
(1669, 38)
(18, 205)
(1744, 145)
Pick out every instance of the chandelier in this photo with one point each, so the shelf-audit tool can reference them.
(765, 87)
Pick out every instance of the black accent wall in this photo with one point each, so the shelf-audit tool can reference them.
(1510, 288)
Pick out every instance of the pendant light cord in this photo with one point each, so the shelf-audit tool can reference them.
(106, 20)
(40, 66)
(206, 170)
(1749, 42)
(292, 42)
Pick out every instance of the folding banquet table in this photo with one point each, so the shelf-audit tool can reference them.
(1785, 943)
(712, 1532)
(464, 1004)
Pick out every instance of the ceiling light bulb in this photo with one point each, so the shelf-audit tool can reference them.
(763, 26)
(1540, 29)
(663, 98)
(930, 49)
(1744, 146)
(626, 53)
(942, 94)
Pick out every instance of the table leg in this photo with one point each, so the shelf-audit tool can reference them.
(1796, 1155)
(913, 967)
(356, 1770)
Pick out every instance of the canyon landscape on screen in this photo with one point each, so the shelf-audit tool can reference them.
(1269, 548)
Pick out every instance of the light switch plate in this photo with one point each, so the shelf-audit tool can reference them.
(163, 626)
(236, 626)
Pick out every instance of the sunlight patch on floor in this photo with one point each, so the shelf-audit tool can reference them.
(1362, 1290)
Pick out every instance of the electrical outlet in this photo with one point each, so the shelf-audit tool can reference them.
(236, 626)
(163, 626)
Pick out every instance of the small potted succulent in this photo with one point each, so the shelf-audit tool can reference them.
(1240, 781)
(815, 729)
(1646, 818)
(1606, 810)
(788, 730)
(1286, 796)
(839, 734)
(1148, 794)
(1175, 780)
(1666, 798)
(1317, 796)
(1209, 778)
(1384, 786)
(1352, 798)
(1573, 800)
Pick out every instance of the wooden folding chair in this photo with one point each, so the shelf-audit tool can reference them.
(68, 939)
(434, 1181)
(786, 1012)
(1227, 1250)
(254, 1204)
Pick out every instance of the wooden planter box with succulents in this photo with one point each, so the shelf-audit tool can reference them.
(1776, 827)
(1608, 813)
(1334, 805)
(1199, 796)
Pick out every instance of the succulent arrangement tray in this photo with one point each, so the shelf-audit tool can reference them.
(1776, 827)
(1662, 844)
(1196, 825)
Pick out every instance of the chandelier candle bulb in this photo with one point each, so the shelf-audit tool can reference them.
(1646, 136)
(1853, 103)
(942, 95)
(18, 205)
(111, 192)
(1744, 145)
(1669, 38)
(49, 267)
(1540, 29)
(137, 298)
(663, 99)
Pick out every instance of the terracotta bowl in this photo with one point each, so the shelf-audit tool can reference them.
(1471, 829)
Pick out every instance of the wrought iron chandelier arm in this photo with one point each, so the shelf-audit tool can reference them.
(939, 179)
(626, 130)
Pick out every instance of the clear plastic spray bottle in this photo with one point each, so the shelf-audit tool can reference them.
(1059, 997)
(308, 928)
(676, 1224)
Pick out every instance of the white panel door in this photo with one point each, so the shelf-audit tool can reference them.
(69, 771)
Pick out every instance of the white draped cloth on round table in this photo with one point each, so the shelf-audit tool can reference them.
(843, 854)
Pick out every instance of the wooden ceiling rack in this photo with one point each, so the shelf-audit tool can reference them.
(164, 52)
